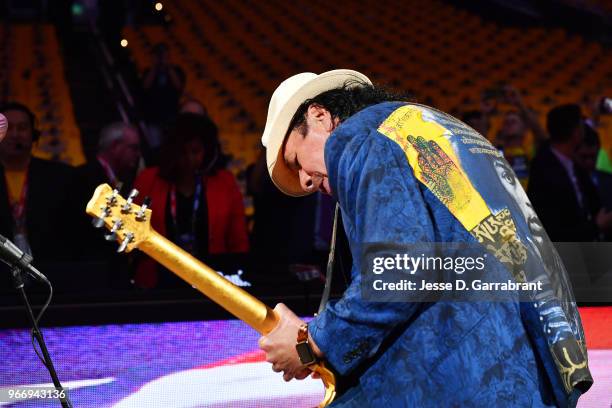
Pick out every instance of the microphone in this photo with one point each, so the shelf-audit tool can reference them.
(3, 126)
(11, 255)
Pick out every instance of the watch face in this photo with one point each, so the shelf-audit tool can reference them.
(305, 353)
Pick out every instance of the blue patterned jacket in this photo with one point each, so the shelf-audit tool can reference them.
(411, 354)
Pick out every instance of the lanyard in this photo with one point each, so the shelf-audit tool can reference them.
(18, 207)
(196, 204)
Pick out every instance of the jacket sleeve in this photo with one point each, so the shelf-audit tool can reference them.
(237, 237)
(382, 202)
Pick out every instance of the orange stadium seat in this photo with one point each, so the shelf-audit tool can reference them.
(34, 76)
(235, 53)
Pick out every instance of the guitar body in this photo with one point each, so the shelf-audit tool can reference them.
(131, 226)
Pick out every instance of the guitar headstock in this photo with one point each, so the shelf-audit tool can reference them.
(127, 222)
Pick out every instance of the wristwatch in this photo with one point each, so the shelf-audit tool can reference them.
(304, 350)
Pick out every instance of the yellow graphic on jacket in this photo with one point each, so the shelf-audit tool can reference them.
(435, 163)
(497, 233)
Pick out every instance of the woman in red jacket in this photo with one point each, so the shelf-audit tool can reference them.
(195, 202)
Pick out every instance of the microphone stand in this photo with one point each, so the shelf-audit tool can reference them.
(19, 286)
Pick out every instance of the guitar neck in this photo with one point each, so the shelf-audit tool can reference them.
(229, 296)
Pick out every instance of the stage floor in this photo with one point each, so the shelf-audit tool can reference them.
(201, 364)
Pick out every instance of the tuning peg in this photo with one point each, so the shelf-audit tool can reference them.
(112, 199)
(99, 222)
(140, 215)
(128, 238)
(116, 226)
(113, 231)
(127, 207)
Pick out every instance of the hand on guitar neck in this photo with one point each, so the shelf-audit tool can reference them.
(279, 346)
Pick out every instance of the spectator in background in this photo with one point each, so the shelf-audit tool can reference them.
(561, 192)
(585, 155)
(599, 111)
(117, 159)
(35, 208)
(163, 86)
(512, 138)
(586, 158)
(115, 164)
(195, 202)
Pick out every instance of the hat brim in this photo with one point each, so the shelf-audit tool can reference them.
(284, 178)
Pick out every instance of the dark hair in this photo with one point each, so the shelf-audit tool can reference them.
(186, 128)
(16, 106)
(345, 101)
(562, 121)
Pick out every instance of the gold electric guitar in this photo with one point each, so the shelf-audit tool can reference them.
(130, 225)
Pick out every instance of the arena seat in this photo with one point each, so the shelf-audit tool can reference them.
(236, 52)
(34, 76)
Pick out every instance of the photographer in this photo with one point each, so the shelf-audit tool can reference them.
(163, 87)
(561, 191)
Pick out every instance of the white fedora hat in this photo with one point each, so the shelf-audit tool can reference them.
(285, 101)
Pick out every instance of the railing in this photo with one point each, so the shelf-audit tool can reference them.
(116, 83)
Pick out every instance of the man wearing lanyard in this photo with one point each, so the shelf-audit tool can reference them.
(116, 164)
(117, 159)
(34, 208)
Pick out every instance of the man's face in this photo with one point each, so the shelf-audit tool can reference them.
(18, 141)
(513, 125)
(127, 151)
(586, 156)
(305, 154)
(193, 153)
(577, 136)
